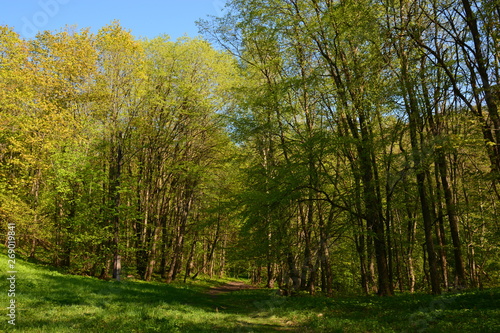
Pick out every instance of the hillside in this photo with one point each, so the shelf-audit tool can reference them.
(49, 301)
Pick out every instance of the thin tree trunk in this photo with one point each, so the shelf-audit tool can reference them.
(114, 194)
(189, 263)
(414, 120)
(453, 219)
(152, 254)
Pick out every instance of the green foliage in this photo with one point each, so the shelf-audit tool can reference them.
(319, 151)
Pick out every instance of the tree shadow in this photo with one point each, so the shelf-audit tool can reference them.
(74, 292)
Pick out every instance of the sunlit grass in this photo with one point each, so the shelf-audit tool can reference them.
(48, 301)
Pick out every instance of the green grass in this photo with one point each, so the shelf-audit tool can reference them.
(48, 301)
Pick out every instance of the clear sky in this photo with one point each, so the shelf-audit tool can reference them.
(145, 18)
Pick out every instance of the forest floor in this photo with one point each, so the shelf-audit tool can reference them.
(49, 301)
(229, 287)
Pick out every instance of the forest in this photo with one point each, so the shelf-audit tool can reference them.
(326, 147)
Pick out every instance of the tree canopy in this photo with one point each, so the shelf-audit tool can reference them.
(323, 146)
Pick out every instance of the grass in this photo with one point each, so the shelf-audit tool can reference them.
(48, 301)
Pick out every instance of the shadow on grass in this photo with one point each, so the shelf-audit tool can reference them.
(472, 311)
(51, 302)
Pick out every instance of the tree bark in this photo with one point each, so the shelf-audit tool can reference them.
(114, 194)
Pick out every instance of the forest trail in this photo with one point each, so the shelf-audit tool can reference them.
(229, 287)
(249, 320)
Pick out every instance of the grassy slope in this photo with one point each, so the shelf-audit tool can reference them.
(51, 302)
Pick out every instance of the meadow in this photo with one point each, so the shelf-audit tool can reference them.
(49, 301)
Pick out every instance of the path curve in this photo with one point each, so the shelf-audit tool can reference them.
(229, 287)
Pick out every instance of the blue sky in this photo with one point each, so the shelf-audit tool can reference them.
(145, 18)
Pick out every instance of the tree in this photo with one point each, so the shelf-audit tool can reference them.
(120, 83)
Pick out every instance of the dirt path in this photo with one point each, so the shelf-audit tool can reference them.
(229, 287)
(249, 318)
